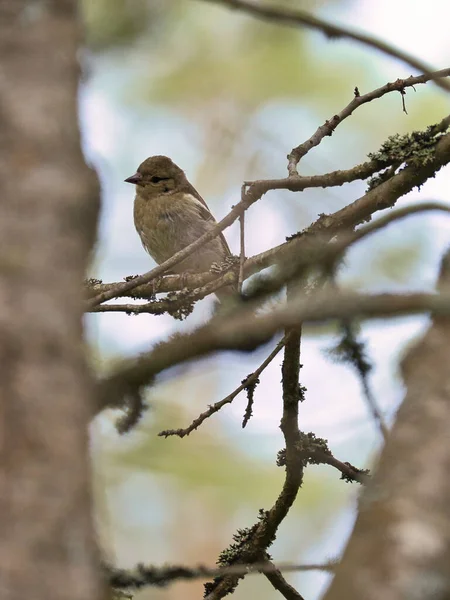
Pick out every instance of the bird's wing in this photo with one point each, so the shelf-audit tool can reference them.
(208, 216)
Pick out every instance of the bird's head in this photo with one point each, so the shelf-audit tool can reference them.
(157, 175)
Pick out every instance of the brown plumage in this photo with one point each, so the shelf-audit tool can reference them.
(169, 214)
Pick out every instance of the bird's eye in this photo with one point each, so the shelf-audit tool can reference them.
(155, 179)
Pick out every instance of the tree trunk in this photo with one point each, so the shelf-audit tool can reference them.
(400, 547)
(48, 213)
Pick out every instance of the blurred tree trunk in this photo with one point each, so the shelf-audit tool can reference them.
(48, 212)
(400, 547)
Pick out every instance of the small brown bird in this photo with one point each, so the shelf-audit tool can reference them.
(169, 214)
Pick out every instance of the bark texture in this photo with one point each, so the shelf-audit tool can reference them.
(48, 212)
(400, 547)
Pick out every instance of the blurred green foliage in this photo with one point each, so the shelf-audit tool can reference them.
(111, 24)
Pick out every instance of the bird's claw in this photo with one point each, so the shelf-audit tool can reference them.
(222, 267)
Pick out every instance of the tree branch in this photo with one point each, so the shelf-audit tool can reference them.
(142, 576)
(352, 351)
(121, 288)
(324, 253)
(261, 536)
(281, 585)
(330, 125)
(250, 380)
(245, 332)
(242, 252)
(349, 472)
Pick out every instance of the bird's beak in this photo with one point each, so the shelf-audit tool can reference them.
(136, 178)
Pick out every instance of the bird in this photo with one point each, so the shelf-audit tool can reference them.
(169, 214)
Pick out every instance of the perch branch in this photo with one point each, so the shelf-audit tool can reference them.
(254, 193)
(381, 197)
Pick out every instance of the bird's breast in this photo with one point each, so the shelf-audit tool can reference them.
(166, 225)
(157, 224)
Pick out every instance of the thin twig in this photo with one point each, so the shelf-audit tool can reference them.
(403, 94)
(134, 409)
(385, 220)
(374, 408)
(349, 472)
(294, 18)
(281, 585)
(227, 400)
(169, 305)
(242, 246)
(330, 125)
(143, 576)
(355, 353)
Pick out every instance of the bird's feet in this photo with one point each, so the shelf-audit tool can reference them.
(230, 262)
